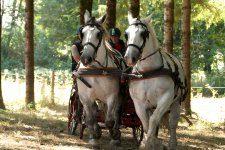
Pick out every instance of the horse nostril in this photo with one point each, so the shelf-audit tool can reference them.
(90, 59)
(82, 58)
(125, 57)
(133, 59)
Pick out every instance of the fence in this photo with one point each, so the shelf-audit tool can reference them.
(208, 91)
(55, 86)
(51, 86)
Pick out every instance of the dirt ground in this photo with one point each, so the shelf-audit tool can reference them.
(46, 129)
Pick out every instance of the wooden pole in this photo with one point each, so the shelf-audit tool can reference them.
(53, 87)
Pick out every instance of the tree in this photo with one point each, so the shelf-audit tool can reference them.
(111, 14)
(14, 18)
(29, 52)
(185, 50)
(2, 105)
(168, 25)
(85, 5)
(135, 7)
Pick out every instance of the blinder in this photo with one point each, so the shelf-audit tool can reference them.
(144, 35)
(80, 32)
(98, 36)
(126, 36)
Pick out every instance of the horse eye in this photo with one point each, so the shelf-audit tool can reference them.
(143, 34)
(98, 35)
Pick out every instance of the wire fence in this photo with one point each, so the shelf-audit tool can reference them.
(52, 86)
(55, 86)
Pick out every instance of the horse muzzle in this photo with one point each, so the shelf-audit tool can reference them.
(86, 60)
(130, 61)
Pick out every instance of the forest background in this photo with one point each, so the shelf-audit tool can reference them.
(55, 26)
(56, 23)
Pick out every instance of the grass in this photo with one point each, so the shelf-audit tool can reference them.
(46, 127)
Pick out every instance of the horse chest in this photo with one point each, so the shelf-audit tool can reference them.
(102, 87)
(150, 89)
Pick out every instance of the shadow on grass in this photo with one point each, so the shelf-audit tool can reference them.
(53, 131)
(202, 140)
(35, 127)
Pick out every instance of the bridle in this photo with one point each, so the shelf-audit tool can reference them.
(145, 36)
(92, 23)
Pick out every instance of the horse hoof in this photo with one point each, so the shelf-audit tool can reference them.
(142, 146)
(109, 124)
(115, 142)
(115, 134)
(98, 134)
(93, 142)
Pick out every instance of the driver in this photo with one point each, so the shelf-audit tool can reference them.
(76, 50)
(115, 40)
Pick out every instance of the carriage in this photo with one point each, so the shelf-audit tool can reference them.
(161, 87)
(128, 117)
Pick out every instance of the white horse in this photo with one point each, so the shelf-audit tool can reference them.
(95, 69)
(162, 86)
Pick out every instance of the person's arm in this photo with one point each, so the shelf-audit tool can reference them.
(75, 53)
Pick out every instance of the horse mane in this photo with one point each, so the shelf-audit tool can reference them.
(153, 35)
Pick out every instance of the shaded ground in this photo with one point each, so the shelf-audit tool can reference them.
(46, 129)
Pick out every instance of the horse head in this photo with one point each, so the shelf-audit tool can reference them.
(91, 36)
(137, 35)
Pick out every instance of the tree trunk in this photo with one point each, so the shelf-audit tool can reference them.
(168, 25)
(111, 14)
(29, 52)
(134, 8)
(185, 50)
(2, 105)
(85, 5)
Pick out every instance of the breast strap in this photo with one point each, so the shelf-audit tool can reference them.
(153, 74)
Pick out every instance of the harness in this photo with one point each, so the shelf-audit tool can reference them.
(162, 70)
(104, 70)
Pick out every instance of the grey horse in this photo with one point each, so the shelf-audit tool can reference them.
(96, 60)
(162, 86)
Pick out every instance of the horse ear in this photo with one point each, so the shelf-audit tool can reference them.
(101, 19)
(148, 19)
(87, 16)
(130, 17)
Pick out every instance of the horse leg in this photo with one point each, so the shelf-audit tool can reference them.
(173, 121)
(112, 120)
(90, 120)
(143, 115)
(154, 120)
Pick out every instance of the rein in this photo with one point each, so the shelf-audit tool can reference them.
(149, 55)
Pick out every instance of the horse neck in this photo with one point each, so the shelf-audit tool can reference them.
(103, 57)
(152, 62)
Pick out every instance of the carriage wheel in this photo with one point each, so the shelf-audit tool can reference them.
(72, 126)
(138, 133)
(82, 124)
(74, 115)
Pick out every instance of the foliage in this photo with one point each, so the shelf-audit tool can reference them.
(56, 22)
